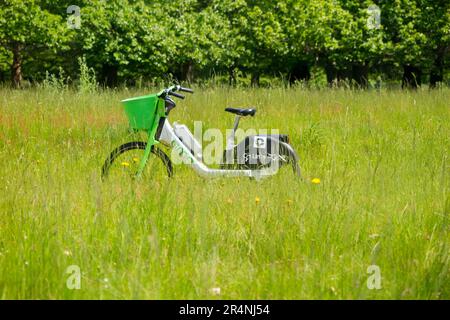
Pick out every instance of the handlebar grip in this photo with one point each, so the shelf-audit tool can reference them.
(186, 90)
(180, 96)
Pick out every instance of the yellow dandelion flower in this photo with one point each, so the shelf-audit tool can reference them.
(315, 180)
(257, 200)
(215, 291)
(125, 164)
(135, 159)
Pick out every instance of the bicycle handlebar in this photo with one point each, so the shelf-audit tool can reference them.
(180, 88)
(186, 90)
(171, 91)
(166, 93)
(177, 95)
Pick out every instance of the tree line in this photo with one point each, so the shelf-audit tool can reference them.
(126, 40)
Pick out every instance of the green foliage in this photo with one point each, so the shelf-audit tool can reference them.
(87, 81)
(56, 82)
(126, 37)
(24, 21)
(127, 40)
(405, 39)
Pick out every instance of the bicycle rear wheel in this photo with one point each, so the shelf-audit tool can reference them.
(290, 158)
(125, 161)
(285, 155)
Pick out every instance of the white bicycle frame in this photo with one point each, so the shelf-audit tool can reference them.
(168, 136)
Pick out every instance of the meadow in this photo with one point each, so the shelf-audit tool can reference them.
(380, 161)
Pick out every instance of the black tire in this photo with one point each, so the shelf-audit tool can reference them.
(135, 145)
(295, 165)
(292, 158)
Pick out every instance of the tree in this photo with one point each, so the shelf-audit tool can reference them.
(231, 42)
(198, 34)
(435, 24)
(362, 39)
(124, 39)
(25, 28)
(406, 43)
(256, 35)
(304, 37)
(327, 25)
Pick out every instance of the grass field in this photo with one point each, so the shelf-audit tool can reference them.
(383, 199)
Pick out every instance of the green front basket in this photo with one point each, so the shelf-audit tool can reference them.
(141, 111)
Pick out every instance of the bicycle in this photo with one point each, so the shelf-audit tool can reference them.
(257, 156)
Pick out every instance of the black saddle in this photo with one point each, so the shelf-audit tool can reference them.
(242, 112)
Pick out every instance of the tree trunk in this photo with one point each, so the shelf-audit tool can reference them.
(110, 75)
(184, 72)
(300, 72)
(232, 76)
(335, 76)
(436, 76)
(437, 70)
(412, 77)
(16, 67)
(255, 79)
(330, 70)
(360, 75)
(2, 76)
(188, 72)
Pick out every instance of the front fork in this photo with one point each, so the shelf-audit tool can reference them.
(150, 143)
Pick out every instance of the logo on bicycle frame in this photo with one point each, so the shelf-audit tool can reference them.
(264, 158)
(260, 142)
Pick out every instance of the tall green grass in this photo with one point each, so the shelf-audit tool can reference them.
(383, 199)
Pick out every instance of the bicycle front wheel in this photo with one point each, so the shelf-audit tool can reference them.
(125, 161)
